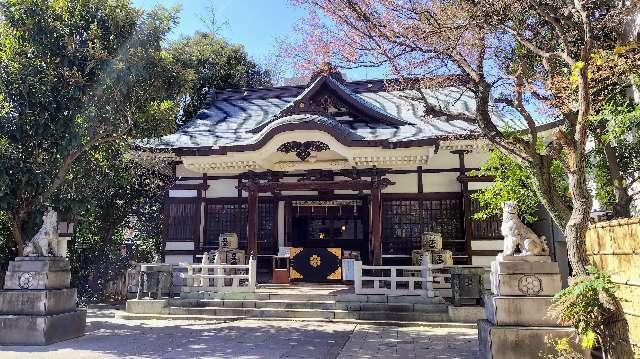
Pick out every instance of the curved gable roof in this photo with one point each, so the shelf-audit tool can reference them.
(236, 119)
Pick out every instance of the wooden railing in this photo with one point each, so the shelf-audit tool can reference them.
(219, 278)
(393, 280)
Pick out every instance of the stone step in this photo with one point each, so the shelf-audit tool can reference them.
(311, 313)
(443, 324)
(228, 314)
(254, 312)
(320, 305)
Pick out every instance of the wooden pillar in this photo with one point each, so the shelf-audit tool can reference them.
(466, 204)
(375, 225)
(252, 231)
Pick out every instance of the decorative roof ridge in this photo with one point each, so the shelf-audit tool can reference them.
(343, 92)
(357, 86)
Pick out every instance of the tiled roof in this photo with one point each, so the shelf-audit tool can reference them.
(231, 115)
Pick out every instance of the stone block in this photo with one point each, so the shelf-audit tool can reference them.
(502, 258)
(521, 342)
(466, 314)
(525, 311)
(37, 302)
(147, 306)
(524, 267)
(529, 285)
(37, 280)
(41, 330)
(38, 264)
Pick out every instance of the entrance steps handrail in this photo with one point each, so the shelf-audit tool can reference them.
(225, 278)
(407, 276)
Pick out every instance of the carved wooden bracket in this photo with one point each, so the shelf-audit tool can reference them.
(303, 149)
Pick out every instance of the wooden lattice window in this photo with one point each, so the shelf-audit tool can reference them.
(225, 218)
(400, 226)
(404, 221)
(267, 219)
(233, 217)
(181, 221)
(487, 228)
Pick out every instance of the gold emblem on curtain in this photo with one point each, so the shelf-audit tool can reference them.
(314, 261)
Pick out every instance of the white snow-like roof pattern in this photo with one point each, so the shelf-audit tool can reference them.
(232, 114)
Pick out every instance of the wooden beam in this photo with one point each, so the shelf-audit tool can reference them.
(420, 185)
(355, 185)
(466, 178)
(252, 223)
(375, 226)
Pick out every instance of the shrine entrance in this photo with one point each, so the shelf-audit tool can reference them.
(324, 232)
(333, 226)
(330, 224)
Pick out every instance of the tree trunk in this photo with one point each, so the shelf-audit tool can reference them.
(16, 231)
(615, 336)
(622, 207)
(551, 200)
(576, 229)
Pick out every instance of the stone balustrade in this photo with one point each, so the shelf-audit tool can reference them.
(219, 278)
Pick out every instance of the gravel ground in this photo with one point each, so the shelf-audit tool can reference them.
(109, 338)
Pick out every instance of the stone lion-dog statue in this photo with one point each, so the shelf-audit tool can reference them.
(45, 242)
(518, 236)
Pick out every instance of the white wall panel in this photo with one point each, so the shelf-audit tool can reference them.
(281, 224)
(181, 171)
(482, 260)
(474, 186)
(222, 188)
(405, 183)
(487, 245)
(440, 182)
(198, 181)
(179, 246)
(183, 193)
(178, 258)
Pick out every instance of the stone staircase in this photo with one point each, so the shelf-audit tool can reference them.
(271, 303)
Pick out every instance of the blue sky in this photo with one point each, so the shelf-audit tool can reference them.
(256, 24)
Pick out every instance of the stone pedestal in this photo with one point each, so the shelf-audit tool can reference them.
(517, 324)
(37, 305)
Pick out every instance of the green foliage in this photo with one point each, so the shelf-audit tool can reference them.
(73, 73)
(7, 246)
(619, 120)
(513, 182)
(560, 349)
(581, 305)
(212, 63)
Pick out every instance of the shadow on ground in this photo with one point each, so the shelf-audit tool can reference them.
(110, 338)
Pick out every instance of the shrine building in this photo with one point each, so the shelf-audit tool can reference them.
(361, 167)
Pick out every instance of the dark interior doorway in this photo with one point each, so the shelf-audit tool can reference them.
(330, 224)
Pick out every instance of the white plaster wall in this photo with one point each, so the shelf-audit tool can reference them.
(183, 193)
(198, 181)
(484, 261)
(178, 258)
(443, 159)
(179, 246)
(474, 186)
(181, 171)
(440, 182)
(489, 245)
(446, 159)
(222, 188)
(475, 159)
(281, 224)
(405, 183)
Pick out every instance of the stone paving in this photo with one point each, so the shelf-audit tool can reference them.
(109, 338)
